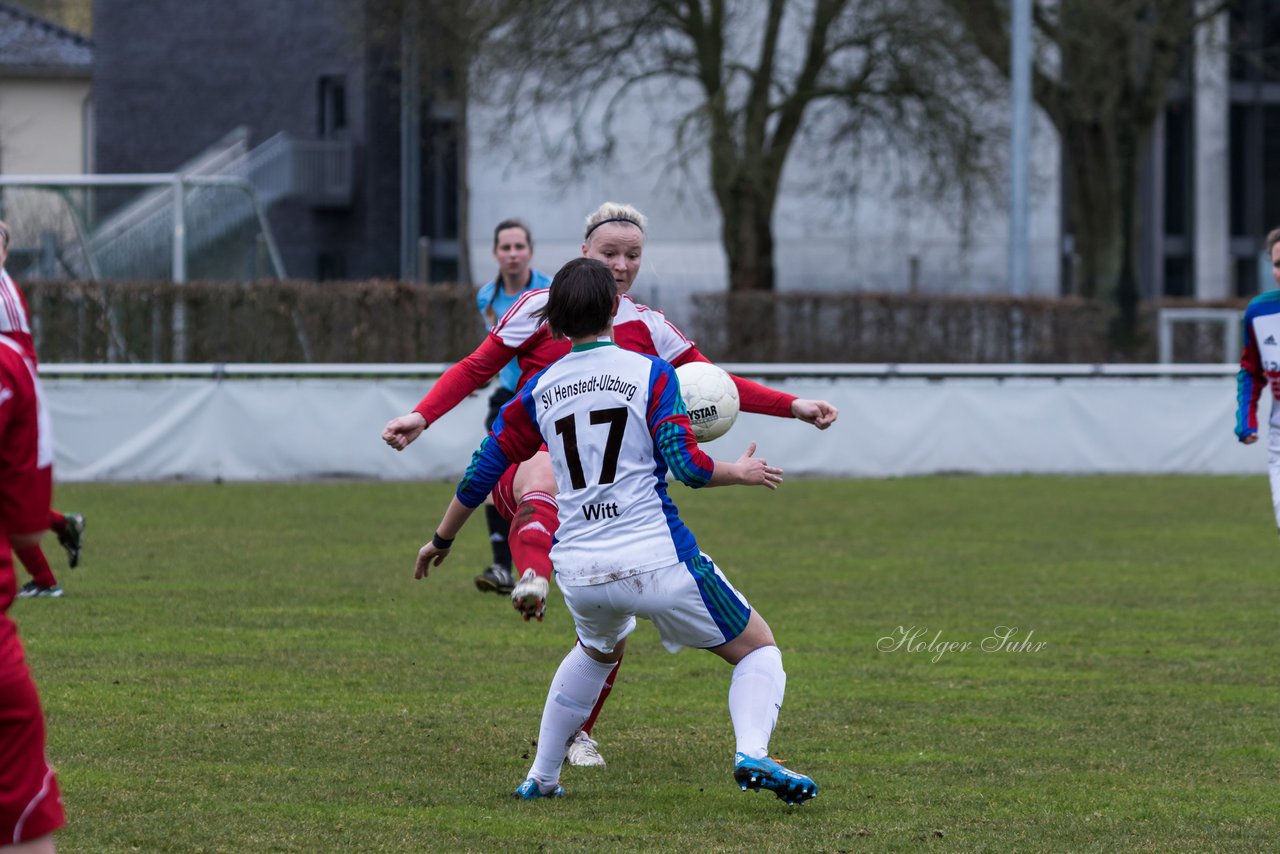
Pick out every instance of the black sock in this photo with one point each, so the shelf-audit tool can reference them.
(498, 528)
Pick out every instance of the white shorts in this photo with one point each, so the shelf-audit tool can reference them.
(690, 603)
(1273, 465)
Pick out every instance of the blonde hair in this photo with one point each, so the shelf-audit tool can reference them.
(4, 234)
(615, 212)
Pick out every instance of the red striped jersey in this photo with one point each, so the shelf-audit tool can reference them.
(26, 452)
(14, 317)
(520, 336)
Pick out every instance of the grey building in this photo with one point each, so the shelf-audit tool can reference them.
(312, 96)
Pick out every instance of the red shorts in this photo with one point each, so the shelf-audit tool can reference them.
(30, 803)
(504, 491)
(25, 501)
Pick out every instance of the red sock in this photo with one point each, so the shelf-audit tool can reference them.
(33, 559)
(57, 521)
(532, 529)
(604, 695)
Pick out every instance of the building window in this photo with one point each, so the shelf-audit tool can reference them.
(1255, 37)
(1177, 277)
(1246, 276)
(1241, 190)
(1178, 170)
(332, 111)
(439, 198)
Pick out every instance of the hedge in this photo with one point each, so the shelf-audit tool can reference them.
(384, 321)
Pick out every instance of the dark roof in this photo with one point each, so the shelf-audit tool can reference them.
(32, 46)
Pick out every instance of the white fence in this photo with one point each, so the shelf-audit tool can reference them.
(299, 422)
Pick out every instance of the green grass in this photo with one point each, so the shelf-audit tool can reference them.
(252, 668)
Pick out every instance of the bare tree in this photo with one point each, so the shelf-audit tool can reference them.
(1102, 74)
(748, 83)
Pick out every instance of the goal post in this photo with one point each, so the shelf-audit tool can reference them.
(1228, 318)
(139, 226)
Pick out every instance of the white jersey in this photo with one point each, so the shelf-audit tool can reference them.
(613, 422)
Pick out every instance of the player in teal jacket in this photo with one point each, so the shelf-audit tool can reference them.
(1260, 369)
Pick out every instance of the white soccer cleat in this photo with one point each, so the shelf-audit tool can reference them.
(583, 751)
(530, 595)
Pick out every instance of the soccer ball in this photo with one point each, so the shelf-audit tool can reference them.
(711, 398)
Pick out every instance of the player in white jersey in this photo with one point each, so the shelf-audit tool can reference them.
(614, 423)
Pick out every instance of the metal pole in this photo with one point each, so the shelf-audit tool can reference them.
(1020, 146)
(179, 269)
(410, 151)
(273, 251)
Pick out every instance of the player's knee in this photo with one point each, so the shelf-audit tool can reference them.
(604, 657)
(535, 475)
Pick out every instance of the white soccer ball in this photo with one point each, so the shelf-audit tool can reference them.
(711, 398)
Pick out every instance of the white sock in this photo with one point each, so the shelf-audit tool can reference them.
(755, 696)
(574, 691)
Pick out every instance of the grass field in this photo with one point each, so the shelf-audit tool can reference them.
(252, 668)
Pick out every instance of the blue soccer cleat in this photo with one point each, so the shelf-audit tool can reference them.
(757, 774)
(529, 789)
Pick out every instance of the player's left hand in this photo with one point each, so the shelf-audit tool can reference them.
(819, 413)
(754, 471)
(429, 556)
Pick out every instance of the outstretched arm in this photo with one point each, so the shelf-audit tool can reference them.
(673, 438)
(514, 438)
(434, 552)
(819, 413)
(759, 398)
(747, 471)
(451, 389)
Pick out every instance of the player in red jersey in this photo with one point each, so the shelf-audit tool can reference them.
(69, 528)
(30, 804)
(615, 235)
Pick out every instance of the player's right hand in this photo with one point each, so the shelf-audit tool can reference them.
(1250, 438)
(819, 413)
(402, 430)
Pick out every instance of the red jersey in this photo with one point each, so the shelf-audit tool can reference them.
(14, 317)
(519, 335)
(26, 453)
